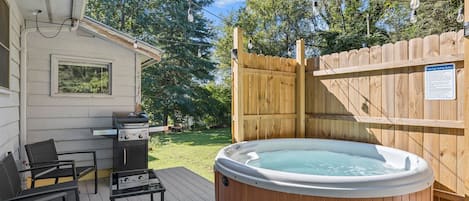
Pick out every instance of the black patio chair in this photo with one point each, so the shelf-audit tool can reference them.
(44, 152)
(10, 186)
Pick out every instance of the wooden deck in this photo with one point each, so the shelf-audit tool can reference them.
(181, 185)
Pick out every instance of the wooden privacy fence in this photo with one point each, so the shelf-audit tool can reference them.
(376, 95)
(373, 95)
(266, 99)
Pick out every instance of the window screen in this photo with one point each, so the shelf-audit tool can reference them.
(4, 44)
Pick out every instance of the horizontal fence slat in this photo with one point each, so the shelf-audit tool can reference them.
(268, 72)
(392, 121)
(391, 65)
(270, 116)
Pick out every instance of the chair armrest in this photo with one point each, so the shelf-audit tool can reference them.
(51, 191)
(81, 152)
(53, 162)
(77, 152)
(54, 196)
(61, 163)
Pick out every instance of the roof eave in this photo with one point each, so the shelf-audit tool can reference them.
(120, 38)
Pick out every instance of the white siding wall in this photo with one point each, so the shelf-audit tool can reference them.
(68, 119)
(10, 100)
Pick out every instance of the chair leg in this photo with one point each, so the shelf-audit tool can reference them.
(77, 197)
(96, 181)
(56, 180)
(32, 182)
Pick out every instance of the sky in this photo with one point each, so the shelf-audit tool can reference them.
(222, 8)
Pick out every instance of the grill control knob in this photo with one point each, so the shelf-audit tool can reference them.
(140, 177)
(126, 137)
(140, 136)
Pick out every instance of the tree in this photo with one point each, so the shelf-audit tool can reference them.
(272, 26)
(340, 26)
(433, 17)
(172, 85)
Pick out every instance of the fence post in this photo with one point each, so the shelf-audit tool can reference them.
(466, 104)
(237, 126)
(300, 89)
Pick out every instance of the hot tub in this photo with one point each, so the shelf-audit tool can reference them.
(315, 169)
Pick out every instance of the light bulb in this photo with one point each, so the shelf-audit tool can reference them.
(190, 15)
(414, 4)
(460, 17)
(413, 16)
(199, 53)
(289, 52)
(135, 44)
(315, 8)
(250, 45)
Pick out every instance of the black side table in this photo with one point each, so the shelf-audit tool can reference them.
(135, 182)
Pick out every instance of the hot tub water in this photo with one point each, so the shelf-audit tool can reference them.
(319, 162)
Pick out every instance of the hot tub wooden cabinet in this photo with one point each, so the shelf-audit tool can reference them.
(231, 190)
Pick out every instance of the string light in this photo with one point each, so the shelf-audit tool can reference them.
(315, 8)
(414, 4)
(250, 45)
(199, 53)
(413, 16)
(460, 17)
(289, 53)
(190, 14)
(135, 44)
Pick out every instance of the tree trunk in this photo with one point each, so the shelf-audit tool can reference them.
(165, 118)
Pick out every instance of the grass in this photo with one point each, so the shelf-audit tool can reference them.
(195, 150)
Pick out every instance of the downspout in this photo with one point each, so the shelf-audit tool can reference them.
(24, 33)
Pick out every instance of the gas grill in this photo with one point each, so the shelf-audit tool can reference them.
(131, 142)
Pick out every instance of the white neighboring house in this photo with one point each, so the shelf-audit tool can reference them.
(36, 101)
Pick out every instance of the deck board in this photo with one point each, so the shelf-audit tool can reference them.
(181, 185)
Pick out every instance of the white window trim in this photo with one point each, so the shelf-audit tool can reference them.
(7, 90)
(54, 85)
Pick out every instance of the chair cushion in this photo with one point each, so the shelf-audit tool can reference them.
(62, 187)
(67, 172)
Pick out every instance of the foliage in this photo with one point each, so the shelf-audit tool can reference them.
(83, 79)
(174, 87)
(434, 17)
(340, 26)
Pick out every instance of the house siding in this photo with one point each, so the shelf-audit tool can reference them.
(10, 99)
(68, 119)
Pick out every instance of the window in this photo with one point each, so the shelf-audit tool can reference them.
(4, 45)
(80, 76)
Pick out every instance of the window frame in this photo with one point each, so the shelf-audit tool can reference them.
(7, 89)
(54, 85)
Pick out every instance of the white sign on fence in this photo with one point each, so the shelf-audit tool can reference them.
(440, 82)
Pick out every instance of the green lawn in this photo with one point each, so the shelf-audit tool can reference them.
(194, 150)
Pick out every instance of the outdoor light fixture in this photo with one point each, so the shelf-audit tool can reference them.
(315, 8)
(37, 12)
(74, 25)
(234, 54)
(135, 44)
(413, 16)
(414, 4)
(460, 18)
(190, 15)
(250, 45)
